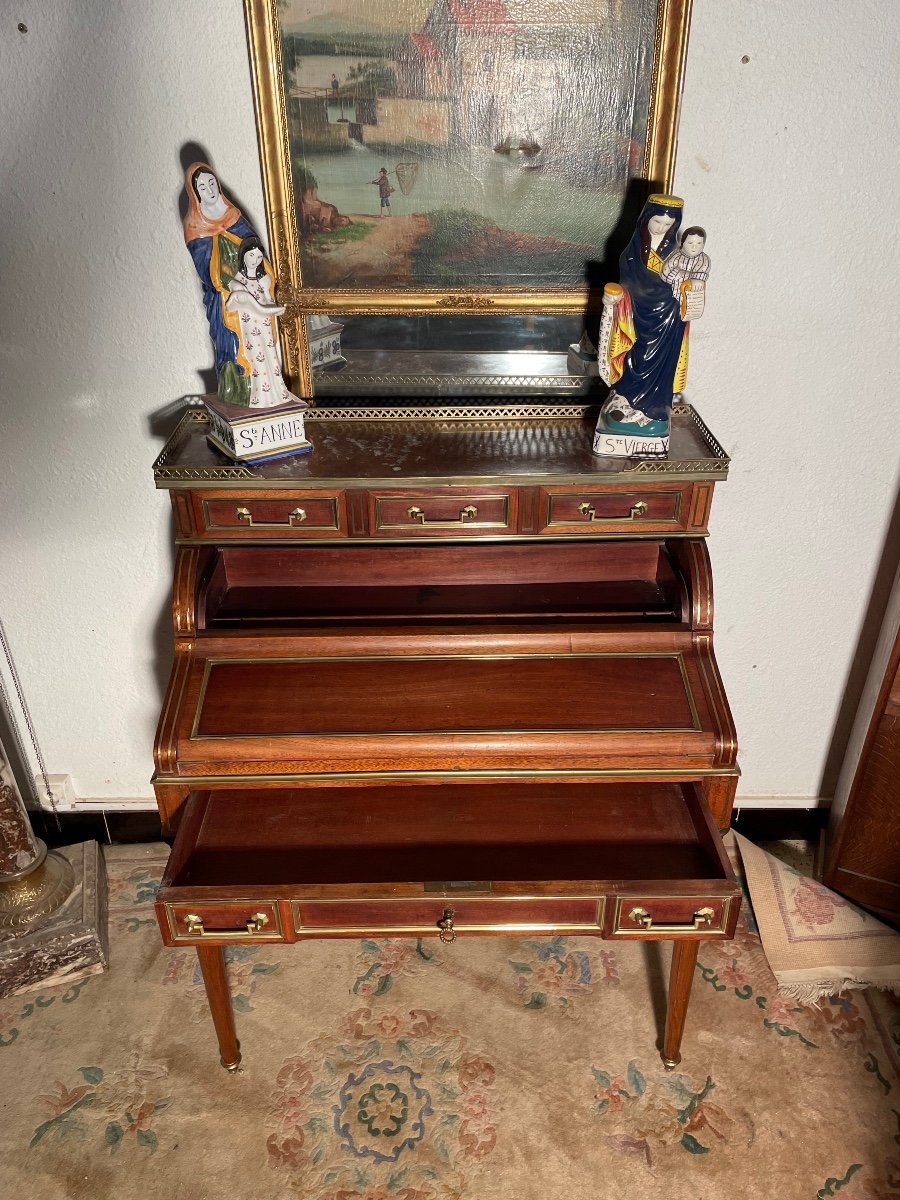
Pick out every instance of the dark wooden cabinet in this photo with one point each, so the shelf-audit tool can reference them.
(863, 859)
(447, 676)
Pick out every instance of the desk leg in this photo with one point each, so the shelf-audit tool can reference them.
(684, 960)
(212, 964)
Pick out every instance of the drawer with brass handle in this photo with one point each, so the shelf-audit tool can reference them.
(501, 872)
(654, 509)
(414, 916)
(224, 920)
(442, 512)
(448, 863)
(270, 515)
(669, 915)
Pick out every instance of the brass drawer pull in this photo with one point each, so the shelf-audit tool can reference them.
(445, 925)
(295, 516)
(702, 917)
(469, 513)
(638, 509)
(194, 926)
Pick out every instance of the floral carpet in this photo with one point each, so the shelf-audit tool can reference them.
(815, 941)
(493, 1068)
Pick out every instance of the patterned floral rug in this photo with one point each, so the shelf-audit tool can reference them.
(816, 942)
(395, 1070)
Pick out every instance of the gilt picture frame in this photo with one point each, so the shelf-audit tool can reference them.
(426, 161)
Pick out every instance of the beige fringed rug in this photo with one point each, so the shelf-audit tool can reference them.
(492, 1069)
(816, 942)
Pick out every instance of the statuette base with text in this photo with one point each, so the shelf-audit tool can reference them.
(254, 435)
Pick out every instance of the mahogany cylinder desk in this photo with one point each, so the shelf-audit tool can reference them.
(449, 675)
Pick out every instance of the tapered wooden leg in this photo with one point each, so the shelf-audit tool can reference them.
(684, 959)
(212, 964)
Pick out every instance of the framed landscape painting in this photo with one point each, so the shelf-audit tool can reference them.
(429, 159)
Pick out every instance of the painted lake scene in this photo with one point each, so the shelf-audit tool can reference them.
(462, 143)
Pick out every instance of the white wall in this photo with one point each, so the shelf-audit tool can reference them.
(789, 160)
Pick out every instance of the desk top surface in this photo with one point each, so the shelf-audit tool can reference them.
(403, 446)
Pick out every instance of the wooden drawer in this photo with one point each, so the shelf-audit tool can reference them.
(224, 920)
(669, 915)
(668, 508)
(443, 512)
(269, 515)
(419, 917)
(395, 861)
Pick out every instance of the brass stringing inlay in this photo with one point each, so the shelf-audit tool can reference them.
(368, 925)
(208, 665)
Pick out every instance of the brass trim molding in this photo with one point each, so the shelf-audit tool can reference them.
(491, 417)
(682, 409)
(373, 929)
(163, 472)
(523, 775)
(478, 385)
(372, 302)
(543, 535)
(485, 418)
(460, 926)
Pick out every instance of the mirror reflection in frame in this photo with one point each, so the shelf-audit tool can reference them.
(448, 184)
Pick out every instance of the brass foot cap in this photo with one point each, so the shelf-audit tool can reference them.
(671, 1063)
(232, 1066)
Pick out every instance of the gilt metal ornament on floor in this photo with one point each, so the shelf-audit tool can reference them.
(33, 882)
(53, 926)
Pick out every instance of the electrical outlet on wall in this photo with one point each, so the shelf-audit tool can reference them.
(61, 787)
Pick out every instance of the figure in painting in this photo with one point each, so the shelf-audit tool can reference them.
(238, 293)
(643, 332)
(384, 191)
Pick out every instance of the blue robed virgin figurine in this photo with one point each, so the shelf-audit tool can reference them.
(643, 330)
(238, 294)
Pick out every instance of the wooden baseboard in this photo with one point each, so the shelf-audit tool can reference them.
(791, 802)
